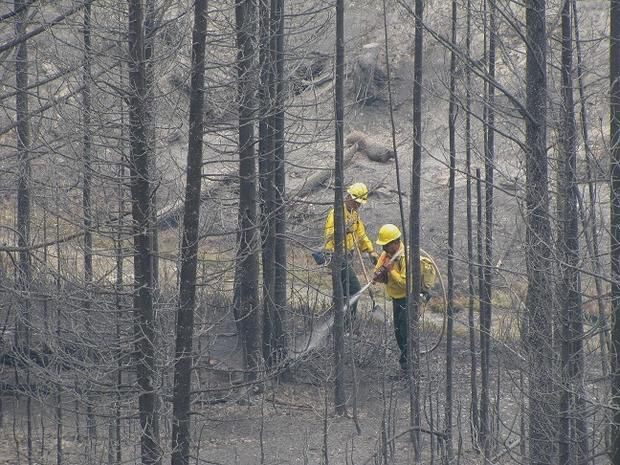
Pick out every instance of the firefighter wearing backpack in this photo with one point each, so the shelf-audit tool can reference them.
(391, 270)
(355, 236)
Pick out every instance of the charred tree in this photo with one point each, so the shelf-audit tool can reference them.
(614, 129)
(24, 272)
(451, 200)
(271, 168)
(470, 239)
(87, 212)
(181, 401)
(150, 28)
(246, 261)
(339, 226)
(573, 428)
(486, 290)
(414, 279)
(139, 164)
(24, 178)
(538, 336)
(267, 178)
(279, 86)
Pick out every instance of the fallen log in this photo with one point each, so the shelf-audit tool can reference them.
(375, 151)
(315, 180)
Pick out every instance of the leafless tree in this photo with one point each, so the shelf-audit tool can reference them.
(414, 279)
(452, 113)
(614, 129)
(246, 272)
(139, 164)
(181, 426)
(339, 226)
(538, 242)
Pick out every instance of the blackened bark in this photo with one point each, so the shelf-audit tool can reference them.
(246, 268)
(267, 179)
(451, 201)
(470, 240)
(337, 262)
(181, 401)
(139, 164)
(58, 413)
(149, 55)
(91, 428)
(115, 451)
(272, 186)
(486, 290)
(24, 272)
(480, 261)
(538, 242)
(280, 297)
(414, 279)
(23, 180)
(572, 401)
(614, 129)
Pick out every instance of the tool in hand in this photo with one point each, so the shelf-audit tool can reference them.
(355, 297)
(372, 296)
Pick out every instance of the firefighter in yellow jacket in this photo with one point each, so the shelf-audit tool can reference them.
(355, 236)
(391, 269)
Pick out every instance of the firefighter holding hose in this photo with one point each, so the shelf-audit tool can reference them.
(355, 236)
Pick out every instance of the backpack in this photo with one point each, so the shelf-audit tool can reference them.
(428, 273)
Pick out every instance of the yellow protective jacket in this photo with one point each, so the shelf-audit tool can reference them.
(355, 231)
(397, 278)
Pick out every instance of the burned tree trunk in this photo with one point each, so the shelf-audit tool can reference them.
(24, 272)
(451, 202)
(181, 401)
(538, 337)
(470, 239)
(614, 129)
(573, 427)
(281, 272)
(246, 266)
(139, 163)
(339, 227)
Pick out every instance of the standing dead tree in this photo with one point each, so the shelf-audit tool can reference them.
(339, 226)
(574, 444)
(181, 425)
(470, 239)
(486, 294)
(266, 176)
(538, 331)
(246, 262)
(139, 163)
(24, 272)
(614, 129)
(451, 203)
(278, 90)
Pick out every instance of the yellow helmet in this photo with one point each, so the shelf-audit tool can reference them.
(358, 192)
(387, 234)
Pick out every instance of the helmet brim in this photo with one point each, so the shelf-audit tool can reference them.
(383, 242)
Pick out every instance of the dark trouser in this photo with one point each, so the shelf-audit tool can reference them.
(399, 307)
(351, 284)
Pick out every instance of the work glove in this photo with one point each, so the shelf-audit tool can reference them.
(425, 296)
(319, 257)
(374, 257)
(380, 276)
